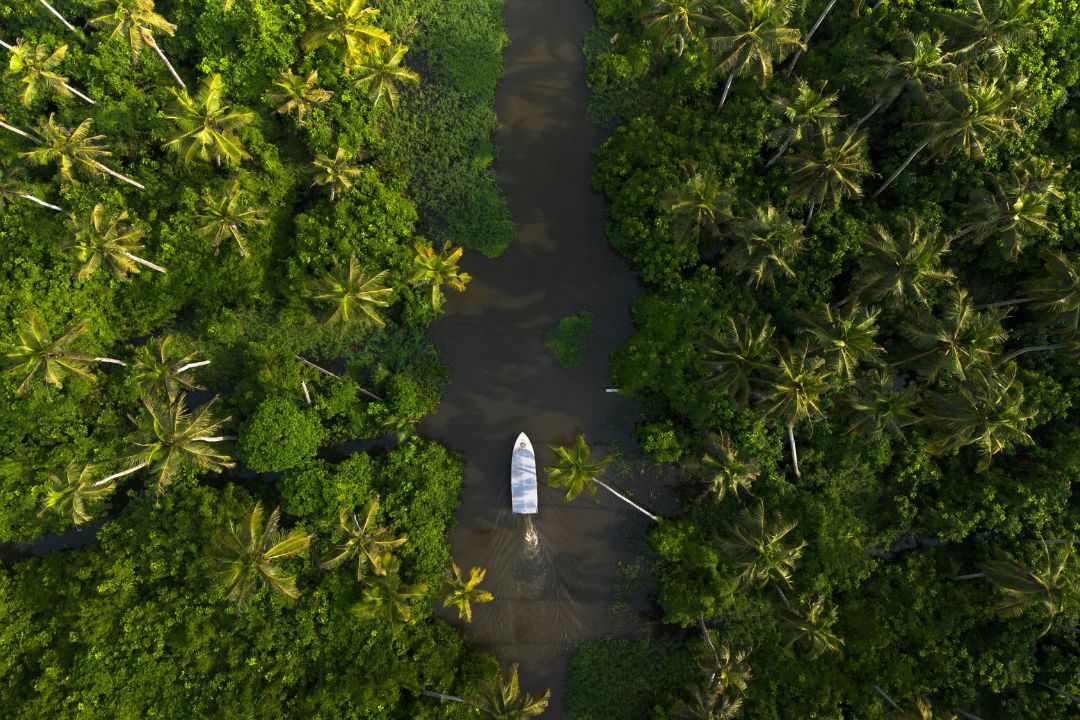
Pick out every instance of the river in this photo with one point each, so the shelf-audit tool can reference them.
(503, 379)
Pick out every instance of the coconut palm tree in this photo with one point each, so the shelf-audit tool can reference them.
(902, 269)
(438, 269)
(1058, 292)
(812, 624)
(169, 438)
(794, 391)
(575, 472)
(347, 25)
(755, 546)
(70, 493)
(60, 17)
(828, 168)
(160, 372)
(986, 30)
(380, 72)
(921, 68)
(37, 353)
(11, 188)
(337, 172)
(809, 110)
(367, 542)
(958, 339)
(207, 125)
(736, 356)
(1053, 585)
(699, 206)
(226, 215)
(72, 149)
(462, 593)
(247, 556)
(678, 21)
(728, 671)
(763, 245)
(296, 95)
(751, 35)
(386, 597)
(845, 337)
(705, 704)
(352, 293)
(137, 21)
(99, 240)
(723, 469)
(501, 699)
(34, 66)
(878, 405)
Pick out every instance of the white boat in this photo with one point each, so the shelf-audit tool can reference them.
(523, 477)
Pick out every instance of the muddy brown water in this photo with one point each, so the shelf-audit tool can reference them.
(559, 589)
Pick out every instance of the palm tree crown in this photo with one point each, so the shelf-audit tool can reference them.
(352, 293)
(170, 437)
(207, 125)
(438, 268)
(137, 21)
(70, 493)
(723, 469)
(462, 593)
(735, 356)
(34, 65)
(160, 372)
(1054, 585)
(573, 470)
(763, 246)
(755, 546)
(226, 215)
(902, 269)
(380, 72)
(367, 542)
(101, 240)
(347, 25)
(72, 149)
(501, 699)
(808, 110)
(336, 172)
(38, 353)
(294, 94)
(812, 624)
(751, 35)
(386, 597)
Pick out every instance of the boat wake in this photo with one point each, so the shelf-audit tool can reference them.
(532, 539)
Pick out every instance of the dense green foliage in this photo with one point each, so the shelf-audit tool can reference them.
(871, 259)
(205, 289)
(567, 339)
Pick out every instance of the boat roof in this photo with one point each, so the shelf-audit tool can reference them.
(523, 495)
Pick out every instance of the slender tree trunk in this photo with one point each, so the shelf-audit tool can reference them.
(240, 245)
(39, 201)
(79, 95)
(122, 473)
(109, 360)
(117, 175)
(708, 640)
(1007, 303)
(885, 696)
(1033, 348)
(810, 35)
(970, 576)
(153, 43)
(307, 395)
(442, 696)
(324, 371)
(902, 167)
(867, 116)
(1059, 691)
(781, 151)
(62, 19)
(727, 87)
(332, 194)
(147, 263)
(680, 45)
(215, 439)
(962, 233)
(794, 449)
(192, 366)
(5, 45)
(625, 499)
(1067, 628)
(17, 131)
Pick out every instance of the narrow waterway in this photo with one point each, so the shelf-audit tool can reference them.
(558, 588)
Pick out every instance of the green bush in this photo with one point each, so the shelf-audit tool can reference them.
(567, 339)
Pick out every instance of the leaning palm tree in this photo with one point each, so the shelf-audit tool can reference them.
(160, 372)
(352, 293)
(72, 149)
(386, 597)
(137, 21)
(793, 394)
(462, 593)
(367, 542)
(1053, 585)
(763, 245)
(438, 268)
(902, 269)
(986, 30)
(699, 206)
(11, 189)
(207, 126)
(99, 240)
(170, 438)
(34, 66)
(735, 357)
(921, 68)
(60, 17)
(1058, 292)
(226, 215)
(960, 337)
(678, 21)
(502, 699)
(380, 73)
(336, 172)
(828, 168)
(347, 25)
(809, 110)
(751, 35)
(755, 546)
(70, 493)
(575, 472)
(723, 469)
(38, 353)
(878, 404)
(296, 95)
(845, 337)
(246, 556)
(812, 624)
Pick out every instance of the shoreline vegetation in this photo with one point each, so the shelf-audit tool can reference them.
(857, 225)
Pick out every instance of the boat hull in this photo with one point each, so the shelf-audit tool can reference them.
(523, 495)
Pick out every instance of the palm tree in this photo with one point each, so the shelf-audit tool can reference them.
(736, 355)
(502, 699)
(678, 20)
(809, 110)
(879, 405)
(828, 169)
(1058, 292)
(386, 596)
(245, 557)
(845, 337)
(699, 206)
(728, 670)
(60, 17)
(159, 372)
(723, 469)
(347, 25)
(462, 593)
(137, 21)
(337, 172)
(706, 704)
(225, 215)
(755, 546)
(72, 149)
(574, 471)
(438, 269)
(207, 126)
(106, 241)
(764, 244)
(10, 188)
(960, 338)
(812, 624)
(295, 94)
(352, 293)
(988, 29)
(902, 270)
(923, 67)
(34, 65)
(920, 709)
(365, 542)
(1053, 586)
(38, 353)
(380, 72)
(1015, 207)
(752, 34)
(170, 438)
(69, 494)
(794, 391)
